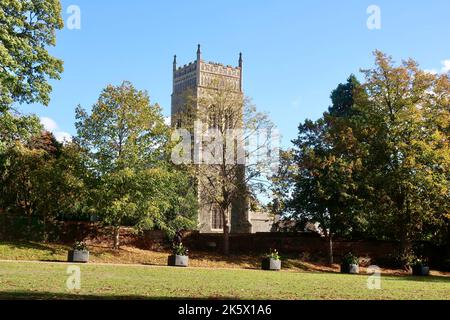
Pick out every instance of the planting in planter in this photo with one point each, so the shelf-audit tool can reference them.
(350, 264)
(179, 257)
(271, 261)
(79, 253)
(420, 267)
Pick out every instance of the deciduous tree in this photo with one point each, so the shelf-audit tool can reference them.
(27, 29)
(126, 143)
(230, 169)
(378, 161)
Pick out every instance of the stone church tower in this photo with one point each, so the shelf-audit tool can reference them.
(197, 78)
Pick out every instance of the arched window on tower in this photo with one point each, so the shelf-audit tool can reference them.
(216, 219)
(213, 120)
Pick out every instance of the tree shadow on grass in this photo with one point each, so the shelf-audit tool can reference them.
(428, 279)
(32, 245)
(26, 295)
(300, 265)
(41, 249)
(253, 262)
(243, 261)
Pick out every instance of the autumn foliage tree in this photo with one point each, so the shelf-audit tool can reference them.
(408, 154)
(377, 163)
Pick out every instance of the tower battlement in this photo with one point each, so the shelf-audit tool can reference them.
(206, 74)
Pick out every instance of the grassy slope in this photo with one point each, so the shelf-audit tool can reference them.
(48, 281)
(130, 255)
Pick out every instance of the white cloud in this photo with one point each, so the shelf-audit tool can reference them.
(444, 69)
(62, 136)
(445, 66)
(50, 125)
(167, 121)
(431, 71)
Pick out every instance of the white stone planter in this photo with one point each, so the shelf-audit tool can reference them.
(178, 261)
(350, 268)
(271, 264)
(420, 270)
(81, 256)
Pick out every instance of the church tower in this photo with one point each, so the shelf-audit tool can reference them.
(198, 79)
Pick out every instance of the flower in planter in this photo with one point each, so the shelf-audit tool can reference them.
(80, 246)
(79, 253)
(350, 264)
(271, 261)
(422, 262)
(349, 258)
(419, 266)
(273, 254)
(180, 250)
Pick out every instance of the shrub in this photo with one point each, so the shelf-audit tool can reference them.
(410, 259)
(446, 264)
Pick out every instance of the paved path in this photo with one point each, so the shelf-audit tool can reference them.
(126, 265)
(432, 272)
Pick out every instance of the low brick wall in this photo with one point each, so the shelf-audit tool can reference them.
(310, 245)
(19, 227)
(292, 243)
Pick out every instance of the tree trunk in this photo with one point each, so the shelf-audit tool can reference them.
(226, 241)
(448, 240)
(330, 252)
(226, 234)
(116, 238)
(29, 228)
(406, 248)
(45, 229)
(330, 240)
(405, 251)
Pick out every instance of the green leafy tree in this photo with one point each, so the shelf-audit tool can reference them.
(15, 130)
(15, 127)
(377, 163)
(27, 29)
(328, 162)
(282, 182)
(38, 181)
(132, 181)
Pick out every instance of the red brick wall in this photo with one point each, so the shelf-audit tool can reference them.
(291, 243)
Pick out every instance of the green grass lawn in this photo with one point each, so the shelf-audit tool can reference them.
(47, 280)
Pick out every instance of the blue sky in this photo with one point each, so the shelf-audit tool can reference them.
(295, 52)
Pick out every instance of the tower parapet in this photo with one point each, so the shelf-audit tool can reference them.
(206, 74)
